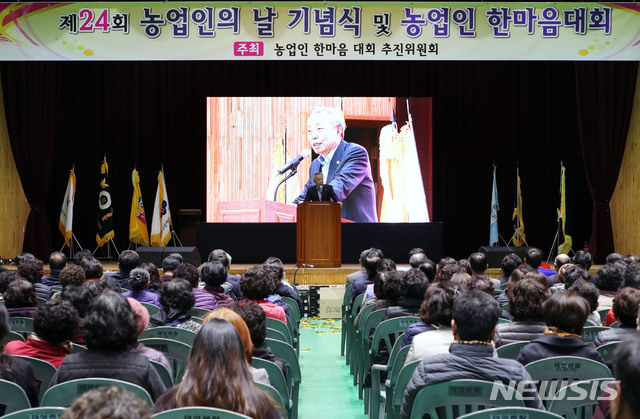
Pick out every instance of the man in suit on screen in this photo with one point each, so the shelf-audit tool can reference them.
(344, 165)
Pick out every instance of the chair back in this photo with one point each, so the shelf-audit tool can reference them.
(36, 413)
(151, 308)
(14, 336)
(511, 350)
(294, 309)
(13, 397)
(510, 412)
(578, 400)
(451, 399)
(589, 333)
(164, 373)
(396, 393)
(565, 370)
(199, 312)
(281, 327)
(21, 324)
(279, 403)
(176, 352)
(389, 331)
(42, 370)
(276, 378)
(606, 351)
(343, 329)
(168, 332)
(64, 394)
(198, 412)
(285, 352)
(276, 334)
(41, 301)
(614, 325)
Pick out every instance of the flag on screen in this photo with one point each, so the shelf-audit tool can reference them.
(161, 224)
(66, 214)
(138, 232)
(519, 238)
(105, 210)
(565, 247)
(495, 207)
(417, 211)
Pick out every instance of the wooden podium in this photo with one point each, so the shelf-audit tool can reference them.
(319, 234)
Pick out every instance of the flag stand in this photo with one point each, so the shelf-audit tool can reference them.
(109, 256)
(71, 247)
(175, 237)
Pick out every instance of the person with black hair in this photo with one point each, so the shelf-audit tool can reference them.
(589, 292)
(433, 334)
(525, 299)
(231, 282)
(565, 314)
(127, 261)
(479, 265)
(257, 284)
(20, 299)
(625, 311)
(109, 329)
(79, 296)
(204, 300)
(155, 283)
(93, 269)
(31, 270)
(54, 327)
(176, 300)
(509, 263)
(414, 286)
(533, 257)
(626, 369)
(631, 278)
(57, 261)
(81, 256)
(214, 274)
(139, 286)
(372, 263)
(608, 280)
(558, 262)
(584, 260)
(284, 289)
(475, 315)
(169, 264)
(14, 369)
(417, 259)
(360, 274)
(429, 269)
(6, 277)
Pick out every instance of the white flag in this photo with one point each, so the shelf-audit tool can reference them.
(495, 206)
(161, 225)
(417, 210)
(66, 214)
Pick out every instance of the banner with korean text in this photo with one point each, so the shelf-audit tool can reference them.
(319, 31)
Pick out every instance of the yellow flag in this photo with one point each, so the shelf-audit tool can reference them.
(66, 214)
(519, 239)
(565, 247)
(138, 232)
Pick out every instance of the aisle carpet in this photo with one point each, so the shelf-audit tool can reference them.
(327, 389)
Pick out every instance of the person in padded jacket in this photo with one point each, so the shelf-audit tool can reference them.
(475, 314)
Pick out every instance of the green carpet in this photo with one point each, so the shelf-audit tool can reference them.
(327, 389)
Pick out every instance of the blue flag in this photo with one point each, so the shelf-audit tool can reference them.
(493, 229)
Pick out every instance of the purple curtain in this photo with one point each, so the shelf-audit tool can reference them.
(32, 89)
(604, 93)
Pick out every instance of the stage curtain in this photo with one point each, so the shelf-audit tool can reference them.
(31, 94)
(604, 93)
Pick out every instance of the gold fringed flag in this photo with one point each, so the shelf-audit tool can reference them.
(565, 247)
(105, 210)
(66, 214)
(161, 223)
(519, 238)
(138, 232)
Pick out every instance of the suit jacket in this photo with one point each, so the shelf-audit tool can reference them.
(350, 176)
(327, 194)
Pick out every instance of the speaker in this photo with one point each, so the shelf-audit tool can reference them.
(495, 254)
(190, 254)
(151, 254)
(155, 255)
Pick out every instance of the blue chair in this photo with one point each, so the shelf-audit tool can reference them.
(64, 394)
(13, 397)
(579, 399)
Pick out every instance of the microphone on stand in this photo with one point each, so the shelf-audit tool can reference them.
(295, 161)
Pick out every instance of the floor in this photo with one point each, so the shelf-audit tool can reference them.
(327, 389)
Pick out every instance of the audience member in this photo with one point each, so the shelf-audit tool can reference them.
(72, 275)
(360, 274)
(417, 259)
(55, 325)
(57, 262)
(608, 280)
(20, 299)
(218, 375)
(81, 256)
(509, 263)
(584, 260)
(565, 314)
(626, 369)
(92, 269)
(31, 270)
(625, 310)
(14, 369)
(142, 322)
(475, 315)
(155, 283)
(257, 284)
(414, 286)
(589, 292)
(107, 402)
(560, 260)
(6, 277)
(169, 264)
(526, 298)
(95, 286)
(176, 300)
(446, 271)
(372, 264)
(429, 269)
(127, 261)
(24, 257)
(219, 255)
(79, 296)
(533, 257)
(284, 289)
(139, 286)
(214, 274)
(204, 300)
(109, 330)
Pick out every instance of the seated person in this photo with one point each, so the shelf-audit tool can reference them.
(31, 270)
(169, 264)
(321, 192)
(284, 289)
(177, 300)
(7, 277)
(110, 328)
(565, 314)
(525, 305)
(589, 292)
(625, 310)
(372, 264)
(107, 402)
(214, 274)
(139, 280)
(436, 313)
(142, 321)
(475, 315)
(204, 300)
(509, 263)
(414, 286)
(257, 284)
(54, 327)
(57, 262)
(155, 283)
(232, 282)
(20, 299)
(93, 269)
(127, 261)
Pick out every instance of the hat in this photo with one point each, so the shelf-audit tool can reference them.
(142, 315)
